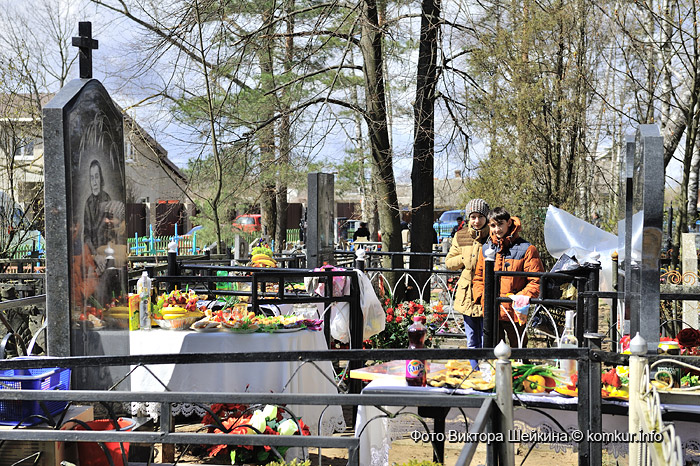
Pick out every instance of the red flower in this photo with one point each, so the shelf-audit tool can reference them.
(689, 338)
(399, 319)
(304, 428)
(625, 342)
(390, 310)
(388, 318)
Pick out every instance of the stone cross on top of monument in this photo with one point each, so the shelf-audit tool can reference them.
(85, 44)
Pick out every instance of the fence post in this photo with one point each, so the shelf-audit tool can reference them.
(504, 400)
(595, 420)
(172, 263)
(489, 299)
(638, 348)
(593, 285)
(612, 322)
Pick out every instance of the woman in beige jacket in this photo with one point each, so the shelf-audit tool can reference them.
(464, 254)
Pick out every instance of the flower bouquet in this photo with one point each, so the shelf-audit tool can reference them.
(243, 420)
(399, 317)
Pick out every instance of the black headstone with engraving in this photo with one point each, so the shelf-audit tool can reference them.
(643, 182)
(85, 198)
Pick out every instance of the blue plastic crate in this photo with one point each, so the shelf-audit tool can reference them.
(14, 411)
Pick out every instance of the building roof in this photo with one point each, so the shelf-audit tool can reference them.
(22, 108)
(130, 125)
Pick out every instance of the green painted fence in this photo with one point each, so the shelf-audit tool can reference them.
(158, 245)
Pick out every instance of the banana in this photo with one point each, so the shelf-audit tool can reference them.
(267, 263)
(257, 257)
(182, 316)
(118, 309)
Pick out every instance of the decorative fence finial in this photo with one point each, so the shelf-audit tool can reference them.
(502, 351)
(638, 345)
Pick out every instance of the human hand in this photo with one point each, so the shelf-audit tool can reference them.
(521, 305)
(520, 301)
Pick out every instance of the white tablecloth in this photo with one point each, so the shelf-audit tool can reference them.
(377, 435)
(261, 377)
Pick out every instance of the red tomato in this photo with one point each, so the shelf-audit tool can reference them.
(83, 317)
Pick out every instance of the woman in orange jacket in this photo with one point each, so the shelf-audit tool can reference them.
(513, 254)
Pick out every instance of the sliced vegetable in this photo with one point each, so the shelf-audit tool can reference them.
(521, 372)
(611, 378)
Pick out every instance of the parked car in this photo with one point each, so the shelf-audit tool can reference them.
(248, 223)
(446, 222)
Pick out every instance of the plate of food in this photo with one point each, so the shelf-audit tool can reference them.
(459, 374)
(240, 327)
(621, 394)
(205, 325)
(206, 329)
(287, 330)
(240, 330)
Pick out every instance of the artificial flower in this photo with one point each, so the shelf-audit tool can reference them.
(258, 421)
(270, 412)
(288, 427)
(689, 338)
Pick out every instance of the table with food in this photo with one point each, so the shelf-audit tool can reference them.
(184, 322)
(540, 386)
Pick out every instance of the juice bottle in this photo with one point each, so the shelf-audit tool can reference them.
(416, 370)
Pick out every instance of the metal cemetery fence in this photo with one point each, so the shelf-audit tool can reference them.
(209, 275)
(495, 414)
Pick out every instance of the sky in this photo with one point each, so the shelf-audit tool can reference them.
(117, 59)
(117, 64)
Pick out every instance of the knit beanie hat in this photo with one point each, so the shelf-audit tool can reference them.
(477, 205)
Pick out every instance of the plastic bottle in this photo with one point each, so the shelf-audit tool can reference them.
(143, 289)
(568, 340)
(416, 370)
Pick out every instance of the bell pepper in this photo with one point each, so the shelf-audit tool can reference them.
(611, 378)
(534, 384)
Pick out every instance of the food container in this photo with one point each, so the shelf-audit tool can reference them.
(181, 323)
(669, 374)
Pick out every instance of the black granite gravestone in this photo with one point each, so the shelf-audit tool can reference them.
(642, 178)
(320, 219)
(85, 226)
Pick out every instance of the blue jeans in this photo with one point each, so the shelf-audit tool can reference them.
(474, 329)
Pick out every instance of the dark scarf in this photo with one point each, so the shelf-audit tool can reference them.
(467, 235)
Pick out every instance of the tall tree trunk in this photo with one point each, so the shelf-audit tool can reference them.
(285, 135)
(666, 32)
(693, 174)
(388, 204)
(422, 189)
(675, 126)
(266, 136)
(214, 201)
(648, 116)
